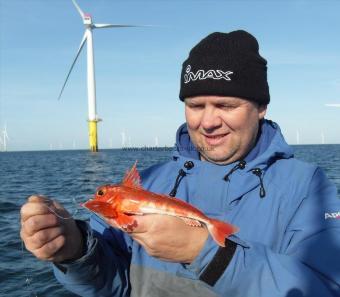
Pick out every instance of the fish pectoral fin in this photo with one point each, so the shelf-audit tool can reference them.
(191, 222)
(125, 222)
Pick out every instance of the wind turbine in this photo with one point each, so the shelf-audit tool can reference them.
(123, 134)
(297, 137)
(91, 84)
(322, 138)
(4, 138)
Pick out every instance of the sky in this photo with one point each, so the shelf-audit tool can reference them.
(138, 69)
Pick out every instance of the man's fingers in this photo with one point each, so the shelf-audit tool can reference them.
(38, 198)
(38, 222)
(42, 238)
(57, 205)
(148, 222)
(142, 223)
(154, 222)
(50, 249)
(32, 208)
(135, 228)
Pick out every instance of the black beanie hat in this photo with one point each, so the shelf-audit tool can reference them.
(226, 64)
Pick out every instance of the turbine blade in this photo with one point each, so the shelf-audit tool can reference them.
(100, 26)
(74, 61)
(79, 9)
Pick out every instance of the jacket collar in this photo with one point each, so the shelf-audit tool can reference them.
(269, 147)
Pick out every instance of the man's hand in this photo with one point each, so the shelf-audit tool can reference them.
(168, 238)
(47, 236)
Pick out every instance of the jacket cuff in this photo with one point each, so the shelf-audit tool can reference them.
(221, 260)
(194, 269)
(216, 268)
(89, 244)
(212, 261)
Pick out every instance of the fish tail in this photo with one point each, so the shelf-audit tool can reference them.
(220, 231)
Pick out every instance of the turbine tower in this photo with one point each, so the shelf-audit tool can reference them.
(297, 137)
(4, 138)
(93, 118)
(123, 138)
(322, 138)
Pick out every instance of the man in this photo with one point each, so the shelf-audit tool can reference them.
(233, 165)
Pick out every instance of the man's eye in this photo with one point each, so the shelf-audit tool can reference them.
(226, 106)
(196, 106)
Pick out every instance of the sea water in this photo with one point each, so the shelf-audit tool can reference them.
(69, 176)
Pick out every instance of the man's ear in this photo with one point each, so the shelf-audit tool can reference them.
(262, 111)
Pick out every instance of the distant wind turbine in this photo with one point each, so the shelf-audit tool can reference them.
(4, 138)
(322, 138)
(333, 104)
(91, 85)
(123, 138)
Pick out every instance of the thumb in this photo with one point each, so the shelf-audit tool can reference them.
(39, 199)
(59, 210)
(143, 223)
(57, 205)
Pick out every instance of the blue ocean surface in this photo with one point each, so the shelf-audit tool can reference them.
(71, 177)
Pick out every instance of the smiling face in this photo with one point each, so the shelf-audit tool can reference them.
(223, 129)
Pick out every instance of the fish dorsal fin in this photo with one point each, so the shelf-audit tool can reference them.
(132, 178)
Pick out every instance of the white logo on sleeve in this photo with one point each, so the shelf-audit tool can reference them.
(332, 215)
(201, 74)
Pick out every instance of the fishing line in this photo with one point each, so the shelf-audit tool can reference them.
(61, 217)
(28, 274)
(28, 279)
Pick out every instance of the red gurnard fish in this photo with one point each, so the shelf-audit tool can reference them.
(120, 202)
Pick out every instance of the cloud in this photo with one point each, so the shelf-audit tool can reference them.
(332, 104)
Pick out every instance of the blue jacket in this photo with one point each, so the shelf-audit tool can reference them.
(288, 244)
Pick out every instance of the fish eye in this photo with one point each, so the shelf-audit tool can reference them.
(100, 192)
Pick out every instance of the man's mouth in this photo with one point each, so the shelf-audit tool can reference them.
(215, 139)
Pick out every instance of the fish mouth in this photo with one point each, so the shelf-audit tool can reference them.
(101, 208)
(94, 204)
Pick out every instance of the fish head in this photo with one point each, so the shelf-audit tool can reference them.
(104, 201)
(107, 193)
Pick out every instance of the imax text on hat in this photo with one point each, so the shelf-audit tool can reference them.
(201, 74)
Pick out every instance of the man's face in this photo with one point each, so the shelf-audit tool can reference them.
(224, 129)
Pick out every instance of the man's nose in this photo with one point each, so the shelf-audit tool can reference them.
(210, 119)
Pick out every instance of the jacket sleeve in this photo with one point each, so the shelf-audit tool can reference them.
(104, 269)
(307, 263)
